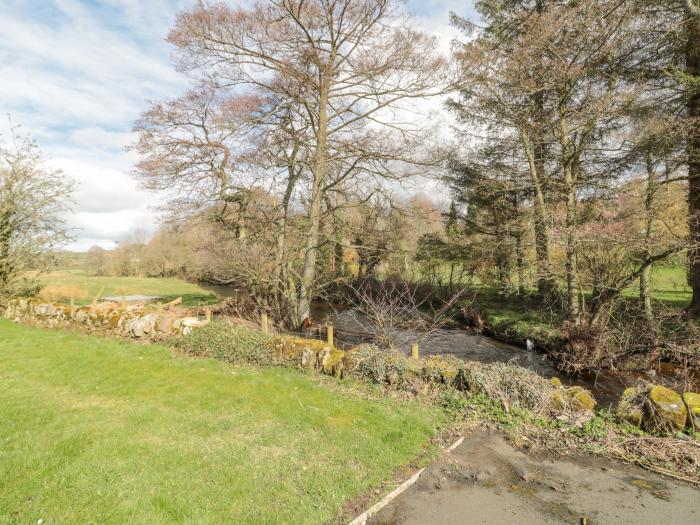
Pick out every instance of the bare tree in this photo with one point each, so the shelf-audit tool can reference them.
(350, 70)
(398, 314)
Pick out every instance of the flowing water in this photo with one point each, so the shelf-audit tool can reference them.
(352, 328)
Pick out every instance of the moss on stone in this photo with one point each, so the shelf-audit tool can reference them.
(692, 403)
(668, 410)
(628, 407)
(581, 399)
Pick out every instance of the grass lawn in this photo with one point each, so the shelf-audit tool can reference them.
(61, 285)
(669, 285)
(104, 431)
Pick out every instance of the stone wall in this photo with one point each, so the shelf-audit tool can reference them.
(134, 321)
(652, 407)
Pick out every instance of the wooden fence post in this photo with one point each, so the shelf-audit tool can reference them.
(415, 351)
(265, 323)
(329, 333)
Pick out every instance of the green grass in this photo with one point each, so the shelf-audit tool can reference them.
(669, 285)
(525, 316)
(109, 432)
(84, 287)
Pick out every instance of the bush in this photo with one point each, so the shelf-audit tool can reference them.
(227, 342)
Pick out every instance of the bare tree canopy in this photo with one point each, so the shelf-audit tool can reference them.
(306, 100)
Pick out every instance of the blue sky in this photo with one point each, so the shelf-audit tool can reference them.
(77, 73)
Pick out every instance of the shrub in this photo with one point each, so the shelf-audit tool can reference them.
(227, 342)
(512, 385)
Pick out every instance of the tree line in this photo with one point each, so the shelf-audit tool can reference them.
(571, 164)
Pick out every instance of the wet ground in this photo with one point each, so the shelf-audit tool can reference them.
(486, 481)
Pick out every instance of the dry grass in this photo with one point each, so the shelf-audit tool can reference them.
(63, 292)
(511, 385)
(677, 457)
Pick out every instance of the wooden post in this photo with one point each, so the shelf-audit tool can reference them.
(415, 351)
(329, 333)
(265, 323)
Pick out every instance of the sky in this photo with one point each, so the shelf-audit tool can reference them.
(76, 74)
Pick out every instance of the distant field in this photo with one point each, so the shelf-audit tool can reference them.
(110, 432)
(83, 288)
(669, 284)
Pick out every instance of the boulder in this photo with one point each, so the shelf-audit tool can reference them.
(308, 359)
(150, 322)
(580, 399)
(666, 411)
(692, 403)
(333, 365)
(187, 324)
(45, 310)
(575, 399)
(629, 407)
(136, 328)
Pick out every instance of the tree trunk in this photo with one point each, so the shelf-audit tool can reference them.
(693, 138)
(320, 167)
(645, 276)
(572, 304)
(546, 284)
(520, 262)
(289, 298)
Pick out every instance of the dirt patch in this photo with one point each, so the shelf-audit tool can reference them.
(487, 481)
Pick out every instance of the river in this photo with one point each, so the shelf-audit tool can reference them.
(351, 328)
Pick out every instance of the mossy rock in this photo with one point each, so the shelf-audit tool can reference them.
(555, 381)
(628, 407)
(580, 399)
(113, 320)
(692, 403)
(557, 402)
(335, 364)
(667, 412)
(438, 369)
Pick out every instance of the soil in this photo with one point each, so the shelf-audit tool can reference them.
(487, 481)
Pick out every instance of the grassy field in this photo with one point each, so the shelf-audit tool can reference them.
(669, 284)
(62, 285)
(525, 316)
(102, 431)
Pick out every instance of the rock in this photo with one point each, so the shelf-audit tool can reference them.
(580, 399)
(45, 310)
(557, 402)
(393, 377)
(150, 322)
(334, 365)
(308, 359)
(81, 317)
(555, 381)
(187, 324)
(324, 357)
(629, 407)
(165, 324)
(667, 412)
(692, 403)
(136, 328)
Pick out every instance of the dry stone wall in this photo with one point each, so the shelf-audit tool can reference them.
(135, 321)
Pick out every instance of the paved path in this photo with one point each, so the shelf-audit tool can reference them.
(486, 481)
